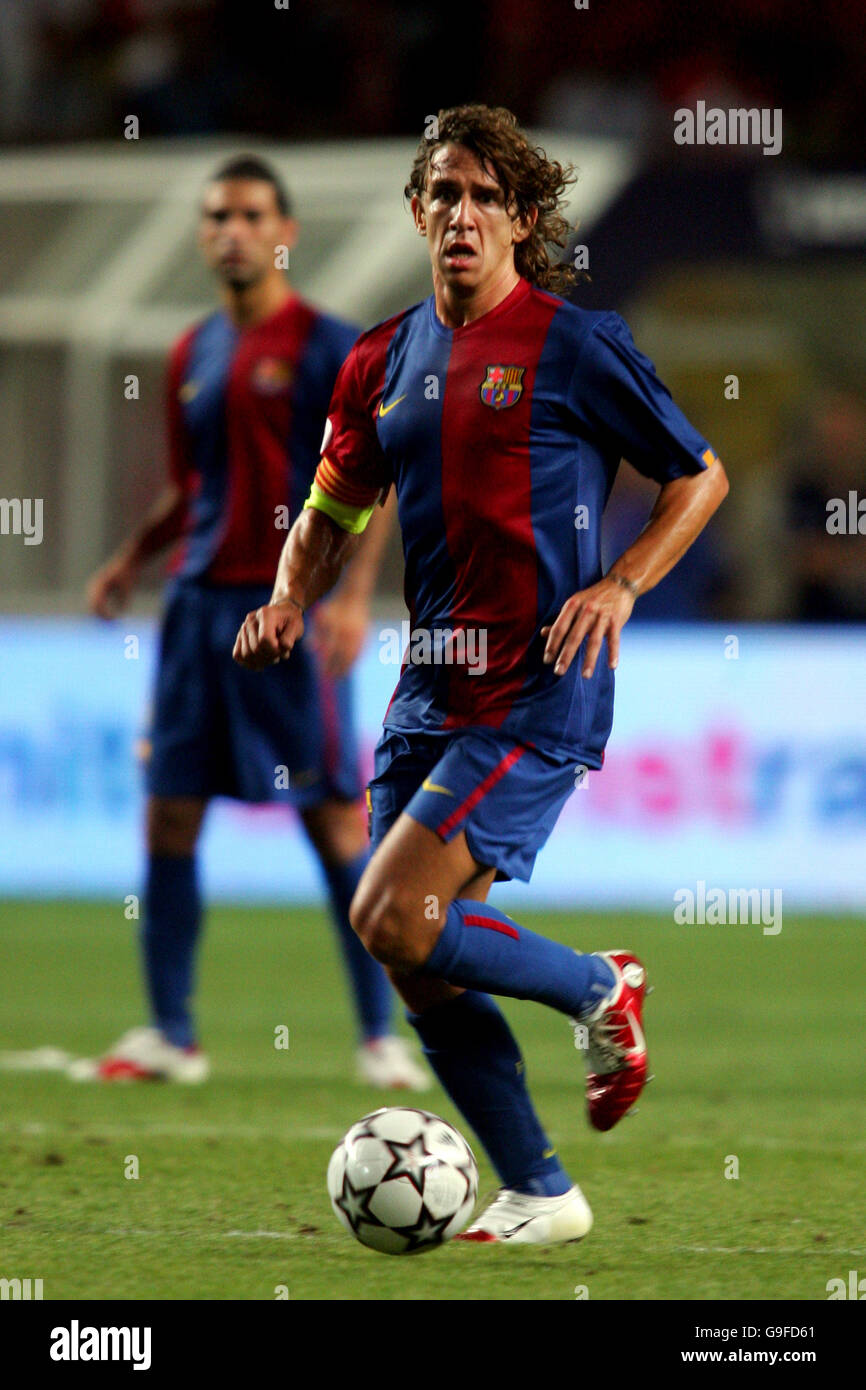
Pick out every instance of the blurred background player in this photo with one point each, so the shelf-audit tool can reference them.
(247, 395)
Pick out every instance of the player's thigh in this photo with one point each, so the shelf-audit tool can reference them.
(184, 737)
(406, 889)
(173, 824)
(335, 829)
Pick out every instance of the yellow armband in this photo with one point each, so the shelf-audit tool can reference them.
(351, 518)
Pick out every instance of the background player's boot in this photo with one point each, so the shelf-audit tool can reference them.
(518, 1219)
(387, 1063)
(143, 1054)
(616, 1055)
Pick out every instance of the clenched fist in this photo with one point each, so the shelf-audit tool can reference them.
(269, 634)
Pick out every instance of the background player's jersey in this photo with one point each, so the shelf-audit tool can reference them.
(246, 410)
(503, 438)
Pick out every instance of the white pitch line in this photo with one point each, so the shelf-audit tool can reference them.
(765, 1250)
(195, 1235)
(766, 1141)
(310, 1134)
(261, 1235)
(316, 1133)
(128, 1232)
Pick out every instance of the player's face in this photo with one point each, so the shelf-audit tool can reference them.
(241, 226)
(471, 232)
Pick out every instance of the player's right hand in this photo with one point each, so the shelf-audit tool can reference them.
(268, 635)
(109, 589)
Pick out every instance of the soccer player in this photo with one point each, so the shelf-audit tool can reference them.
(499, 412)
(248, 391)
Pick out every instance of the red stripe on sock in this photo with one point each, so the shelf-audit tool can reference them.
(493, 925)
(481, 790)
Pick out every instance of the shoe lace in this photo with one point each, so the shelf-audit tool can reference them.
(604, 1053)
(505, 1197)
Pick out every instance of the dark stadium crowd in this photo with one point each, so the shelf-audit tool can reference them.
(74, 70)
(71, 69)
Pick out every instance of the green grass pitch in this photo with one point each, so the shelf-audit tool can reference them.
(754, 1040)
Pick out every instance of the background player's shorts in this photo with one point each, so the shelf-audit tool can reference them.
(221, 730)
(506, 796)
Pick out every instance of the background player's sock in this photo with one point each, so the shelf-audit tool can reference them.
(474, 1054)
(172, 917)
(481, 948)
(371, 989)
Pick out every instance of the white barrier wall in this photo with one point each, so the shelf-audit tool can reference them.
(737, 761)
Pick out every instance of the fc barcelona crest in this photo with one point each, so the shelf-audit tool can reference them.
(271, 376)
(502, 386)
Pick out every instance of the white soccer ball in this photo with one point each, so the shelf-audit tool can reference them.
(402, 1181)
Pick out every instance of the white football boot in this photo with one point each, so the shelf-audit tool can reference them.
(143, 1054)
(518, 1219)
(388, 1064)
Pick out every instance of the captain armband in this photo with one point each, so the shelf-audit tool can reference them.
(349, 516)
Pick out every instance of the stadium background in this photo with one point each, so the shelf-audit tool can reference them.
(738, 756)
(743, 743)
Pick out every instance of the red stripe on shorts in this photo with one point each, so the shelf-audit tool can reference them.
(493, 925)
(481, 790)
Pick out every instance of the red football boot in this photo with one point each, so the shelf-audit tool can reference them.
(612, 1036)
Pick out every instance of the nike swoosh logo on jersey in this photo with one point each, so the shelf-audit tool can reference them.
(383, 408)
(429, 786)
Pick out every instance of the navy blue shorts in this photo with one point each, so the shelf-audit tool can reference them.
(506, 796)
(220, 730)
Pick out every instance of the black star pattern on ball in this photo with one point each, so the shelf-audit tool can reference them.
(354, 1204)
(426, 1231)
(408, 1161)
(367, 1132)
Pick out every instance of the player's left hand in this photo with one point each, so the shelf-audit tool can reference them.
(599, 612)
(338, 632)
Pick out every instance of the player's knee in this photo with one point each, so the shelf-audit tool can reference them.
(336, 831)
(173, 825)
(386, 923)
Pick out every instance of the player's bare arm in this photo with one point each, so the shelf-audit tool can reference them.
(341, 621)
(682, 510)
(314, 556)
(109, 589)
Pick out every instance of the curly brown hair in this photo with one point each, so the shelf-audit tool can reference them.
(527, 177)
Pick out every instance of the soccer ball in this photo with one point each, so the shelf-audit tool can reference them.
(402, 1181)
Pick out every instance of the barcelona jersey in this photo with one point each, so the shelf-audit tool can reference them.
(502, 439)
(246, 408)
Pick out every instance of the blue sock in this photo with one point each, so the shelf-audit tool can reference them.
(172, 918)
(481, 948)
(474, 1054)
(371, 989)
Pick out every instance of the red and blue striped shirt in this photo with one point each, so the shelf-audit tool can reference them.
(502, 438)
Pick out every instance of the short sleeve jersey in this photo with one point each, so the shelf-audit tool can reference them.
(502, 439)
